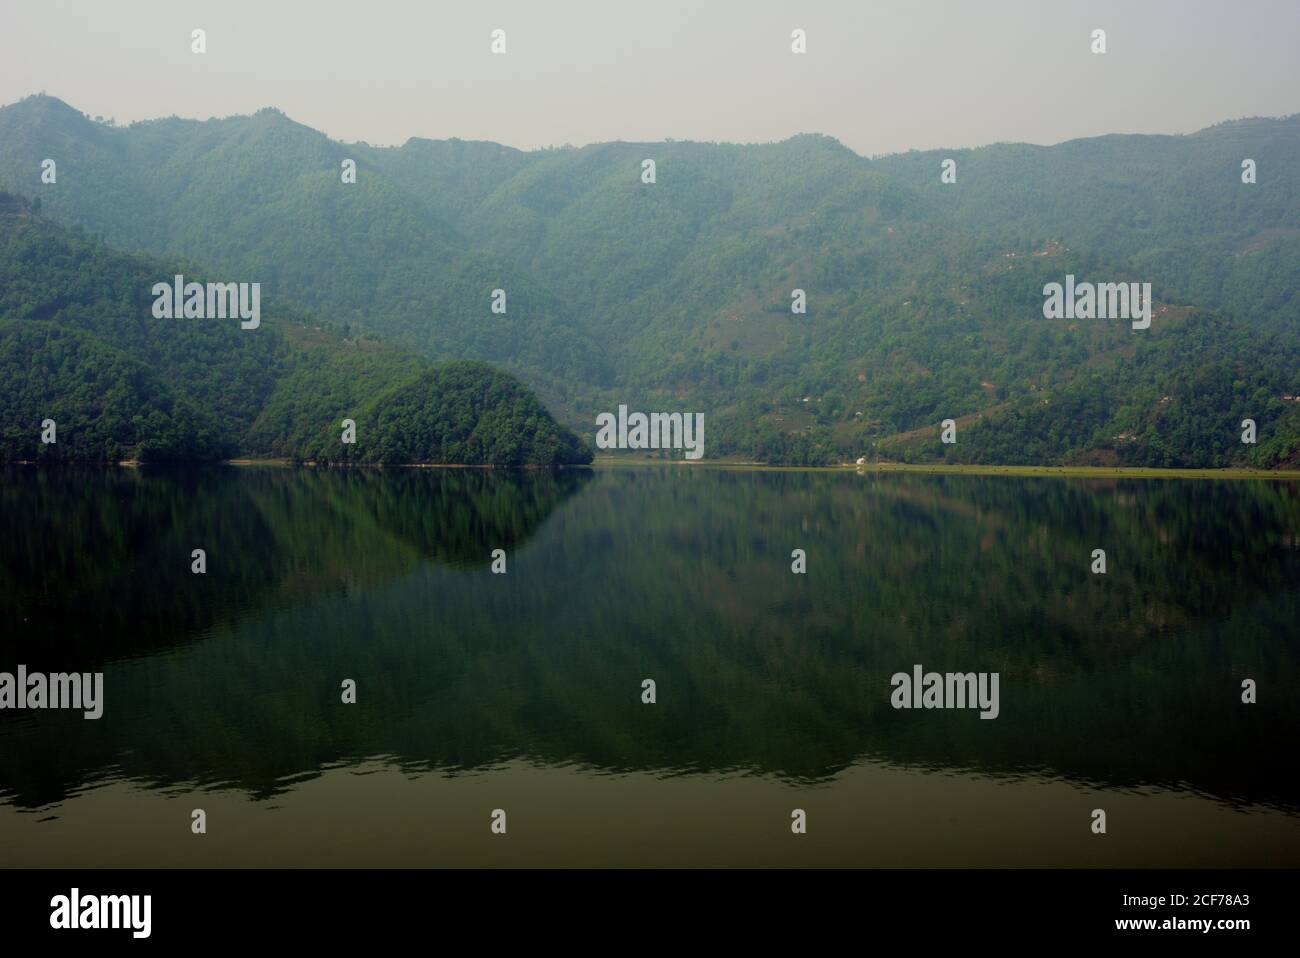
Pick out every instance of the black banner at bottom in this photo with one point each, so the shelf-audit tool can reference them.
(180, 907)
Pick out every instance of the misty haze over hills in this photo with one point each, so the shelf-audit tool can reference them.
(924, 299)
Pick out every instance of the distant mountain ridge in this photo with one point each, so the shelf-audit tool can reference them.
(924, 299)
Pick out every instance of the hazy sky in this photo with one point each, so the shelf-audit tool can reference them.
(880, 75)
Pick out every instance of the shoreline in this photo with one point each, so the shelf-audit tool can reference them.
(612, 462)
(1077, 472)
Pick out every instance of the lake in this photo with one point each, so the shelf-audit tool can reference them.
(523, 691)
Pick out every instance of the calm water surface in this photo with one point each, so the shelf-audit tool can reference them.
(523, 691)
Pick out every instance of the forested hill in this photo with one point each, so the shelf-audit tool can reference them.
(924, 299)
(79, 346)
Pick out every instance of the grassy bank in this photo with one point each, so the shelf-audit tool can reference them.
(1085, 472)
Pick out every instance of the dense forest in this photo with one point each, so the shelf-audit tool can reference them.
(79, 346)
(924, 299)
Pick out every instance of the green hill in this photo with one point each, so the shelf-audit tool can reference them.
(79, 345)
(924, 300)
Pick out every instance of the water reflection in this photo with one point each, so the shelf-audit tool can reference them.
(1129, 680)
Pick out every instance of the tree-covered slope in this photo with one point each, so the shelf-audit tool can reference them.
(1171, 207)
(263, 197)
(924, 300)
(458, 412)
(79, 346)
(98, 402)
